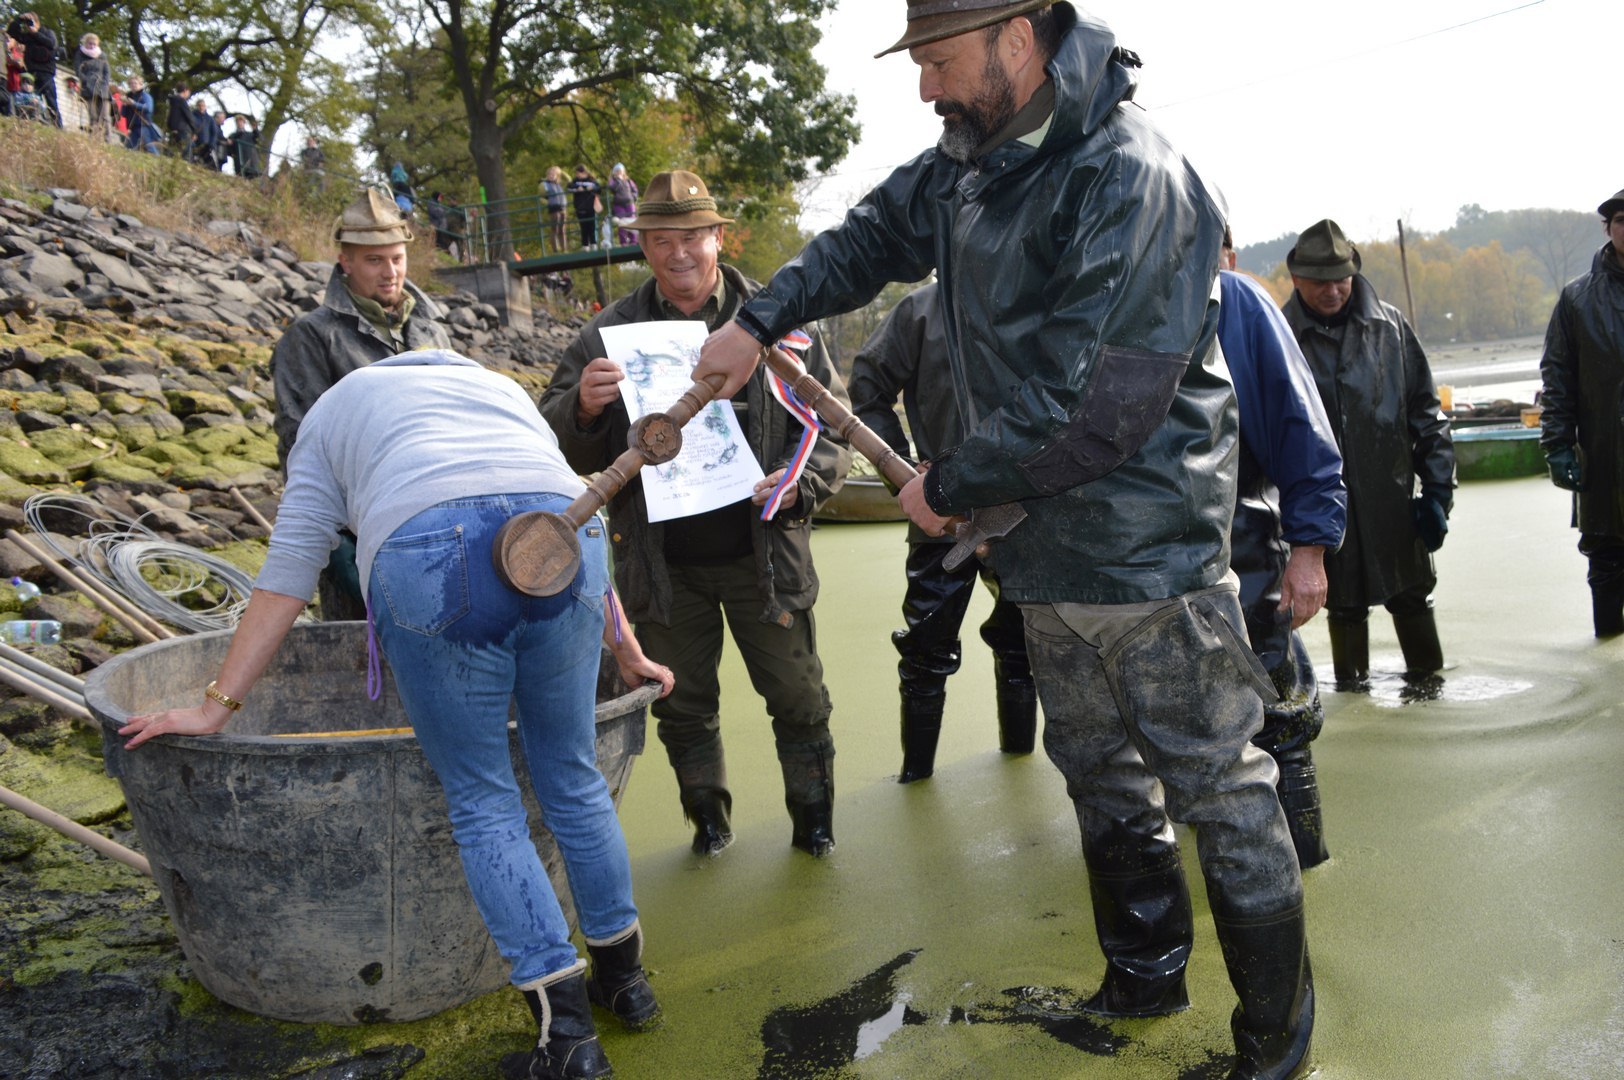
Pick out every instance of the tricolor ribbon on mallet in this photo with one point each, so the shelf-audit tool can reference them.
(796, 342)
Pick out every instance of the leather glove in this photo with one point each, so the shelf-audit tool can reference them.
(1565, 471)
(1431, 521)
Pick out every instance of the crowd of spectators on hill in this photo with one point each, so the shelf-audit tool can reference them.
(90, 98)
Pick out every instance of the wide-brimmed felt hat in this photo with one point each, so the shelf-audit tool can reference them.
(1611, 206)
(676, 200)
(372, 221)
(1323, 253)
(933, 20)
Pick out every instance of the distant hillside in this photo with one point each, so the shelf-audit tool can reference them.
(1562, 242)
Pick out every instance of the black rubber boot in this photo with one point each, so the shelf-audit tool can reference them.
(1268, 967)
(707, 804)
(1418, 639)
(1299, 798)
(921, 728)
(1607, 608)
(618, 983)
(1350, 653)
(1144, 926)
(567, 1043)
(1017, 715)
(809, 794)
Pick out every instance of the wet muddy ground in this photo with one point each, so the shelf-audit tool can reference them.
(1466, 926)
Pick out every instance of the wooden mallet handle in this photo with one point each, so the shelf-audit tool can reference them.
(538, 554)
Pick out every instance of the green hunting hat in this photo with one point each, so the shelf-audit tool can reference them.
(1611, 206)
(1323, 253)
(676, 200)
(933, 20)
(372, 221)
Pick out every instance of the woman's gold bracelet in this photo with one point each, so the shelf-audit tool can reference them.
(214, 692)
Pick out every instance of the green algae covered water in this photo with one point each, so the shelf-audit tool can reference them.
(1467, 925)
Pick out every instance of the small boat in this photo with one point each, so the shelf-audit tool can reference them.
(861, 498)
(304, 853)
(1495, 447)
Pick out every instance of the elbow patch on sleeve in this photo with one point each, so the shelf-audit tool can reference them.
(1126, 401)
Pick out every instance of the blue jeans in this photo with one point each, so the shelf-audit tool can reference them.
(461, 644)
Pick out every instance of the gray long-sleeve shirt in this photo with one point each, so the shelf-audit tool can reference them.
(393, 439)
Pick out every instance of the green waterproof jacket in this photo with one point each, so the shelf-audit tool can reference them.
(1377, 388)
(1583, 400)
(1078, 281)
(327, 344)
(786, 580)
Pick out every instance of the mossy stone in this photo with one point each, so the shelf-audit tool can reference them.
(185, 403)
(67, 447)
(80, 400)
(123, 470)
(198, 474)
(172, 452)
(14, 491)
(260, 451)
(29, 465)
(117, 401)
(135, 432)
(40, 401)
(217, 439)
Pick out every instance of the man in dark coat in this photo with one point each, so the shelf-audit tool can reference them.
(39, 57)
(370, 311)
(179, 123)
(1290, 509)
(1582, 423)
(901, 357)
(1377, 388)
(1075, 253)
(679, 578)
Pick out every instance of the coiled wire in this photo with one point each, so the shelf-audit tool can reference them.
(152, 573)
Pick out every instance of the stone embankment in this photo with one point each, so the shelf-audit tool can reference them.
(135, 370)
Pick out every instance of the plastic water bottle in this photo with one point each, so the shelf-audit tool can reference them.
(31, 631)
(26, 592)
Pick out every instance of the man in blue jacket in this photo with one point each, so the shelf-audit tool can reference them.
(1290, 509)
(1076, 254)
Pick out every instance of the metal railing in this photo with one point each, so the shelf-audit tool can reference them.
(490, 231)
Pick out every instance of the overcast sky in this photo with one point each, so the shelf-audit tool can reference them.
(1363, 112)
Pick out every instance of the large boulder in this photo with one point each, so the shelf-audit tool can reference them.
(47, 272)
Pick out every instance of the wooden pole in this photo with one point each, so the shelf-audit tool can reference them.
(136, 621)
(892, 465)
(71, 683)
(252, 510)
(75, 831)
(1404, 261)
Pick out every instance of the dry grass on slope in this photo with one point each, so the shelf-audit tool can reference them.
(172, 194)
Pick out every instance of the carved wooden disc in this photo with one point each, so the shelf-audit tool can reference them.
(658, 437)
(537, 553)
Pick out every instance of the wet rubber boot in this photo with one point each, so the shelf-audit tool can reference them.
(617, 982)
(567, 1043)
(1017, 715)
(1268, 966)
(921, 728)
(809, 795)
(1350, 654)
(1299, 798)
(1145, 931)
(707, 804)
(1418, 639)
(1607, 609)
